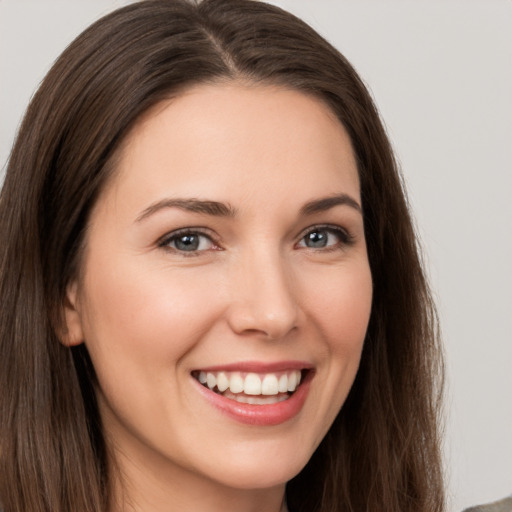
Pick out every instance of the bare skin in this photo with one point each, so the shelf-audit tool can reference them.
(231, 234)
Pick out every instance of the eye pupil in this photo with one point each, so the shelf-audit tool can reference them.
(187, 243)
(316, 239)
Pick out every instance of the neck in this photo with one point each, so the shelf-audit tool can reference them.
(139, 489)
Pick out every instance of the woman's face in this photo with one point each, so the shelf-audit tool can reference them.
(228, 246)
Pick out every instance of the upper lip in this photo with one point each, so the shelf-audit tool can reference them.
(258, 367)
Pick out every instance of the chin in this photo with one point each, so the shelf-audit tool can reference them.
(264, 469)
(267, 477)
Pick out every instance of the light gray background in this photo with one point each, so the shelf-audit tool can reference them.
(441, 73)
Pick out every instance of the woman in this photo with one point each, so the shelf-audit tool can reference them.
(212, 296)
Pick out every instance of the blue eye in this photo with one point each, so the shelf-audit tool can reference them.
(324, 237)
(188, 241)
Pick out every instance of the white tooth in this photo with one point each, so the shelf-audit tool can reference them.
(236, 383)
(252, 384)
(222, 382)
(255, 400)
(292, 381)
(299, 377)
(283, 383)
(211, 380)
(270, 386)
(202, 377)
(260, 400)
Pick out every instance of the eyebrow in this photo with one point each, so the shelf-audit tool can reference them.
(326, 203)
(192, 205)
(218, 209)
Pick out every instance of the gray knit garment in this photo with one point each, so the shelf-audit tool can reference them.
(496, 506)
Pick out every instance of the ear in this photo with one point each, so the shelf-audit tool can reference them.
(72, 333)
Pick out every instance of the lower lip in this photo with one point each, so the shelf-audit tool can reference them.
(262, 415)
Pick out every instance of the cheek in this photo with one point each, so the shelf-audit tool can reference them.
(144, 316)
(342, 304)
(339, 308)
(342, 311)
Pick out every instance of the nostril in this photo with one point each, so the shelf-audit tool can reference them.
(268, 310)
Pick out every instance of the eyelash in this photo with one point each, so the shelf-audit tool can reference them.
(345, 239)
(166, 240)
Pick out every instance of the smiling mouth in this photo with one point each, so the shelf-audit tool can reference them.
(252, 388)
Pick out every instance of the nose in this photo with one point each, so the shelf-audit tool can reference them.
(263, 299)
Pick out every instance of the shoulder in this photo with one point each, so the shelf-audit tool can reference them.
(504, 505)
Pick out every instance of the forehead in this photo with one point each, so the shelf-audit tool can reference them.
(231, 139)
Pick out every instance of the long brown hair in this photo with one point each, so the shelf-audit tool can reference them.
(383, 450)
